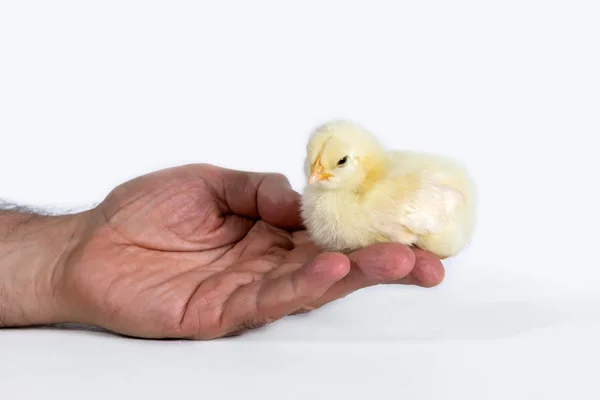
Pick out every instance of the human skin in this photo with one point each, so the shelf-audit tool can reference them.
(196, 252)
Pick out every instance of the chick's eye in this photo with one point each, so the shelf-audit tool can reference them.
(343, 161)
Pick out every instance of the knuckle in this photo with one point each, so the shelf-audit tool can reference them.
(278, 176)
(392, 263)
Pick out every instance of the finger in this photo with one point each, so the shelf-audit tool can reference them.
(294, 260)
(428, 271)
(268, 196)
(265, 301)
(278, 204)
(380, 263)
(384, 262)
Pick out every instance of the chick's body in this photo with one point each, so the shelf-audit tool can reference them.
(359, 194)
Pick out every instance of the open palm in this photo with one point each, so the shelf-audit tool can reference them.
(203, 252)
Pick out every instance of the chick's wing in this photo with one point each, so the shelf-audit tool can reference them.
(424, 204)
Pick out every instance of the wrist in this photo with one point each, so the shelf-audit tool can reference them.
(33, 252)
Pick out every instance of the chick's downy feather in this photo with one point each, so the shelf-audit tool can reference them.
(358, 194)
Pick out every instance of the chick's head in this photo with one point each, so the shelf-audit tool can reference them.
(342, 155)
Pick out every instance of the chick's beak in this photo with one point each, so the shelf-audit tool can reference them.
(317, 173)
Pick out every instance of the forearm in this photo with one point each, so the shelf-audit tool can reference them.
(32, 250)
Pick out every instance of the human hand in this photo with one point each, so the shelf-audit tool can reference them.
(203, 252)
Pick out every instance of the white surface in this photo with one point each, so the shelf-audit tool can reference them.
(94, 93)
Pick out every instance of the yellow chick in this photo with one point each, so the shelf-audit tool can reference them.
(358, 194)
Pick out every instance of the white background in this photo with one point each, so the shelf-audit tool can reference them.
(93, 93)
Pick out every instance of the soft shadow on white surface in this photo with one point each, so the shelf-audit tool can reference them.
(410, 317)
(403, 315)
(383, 342)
